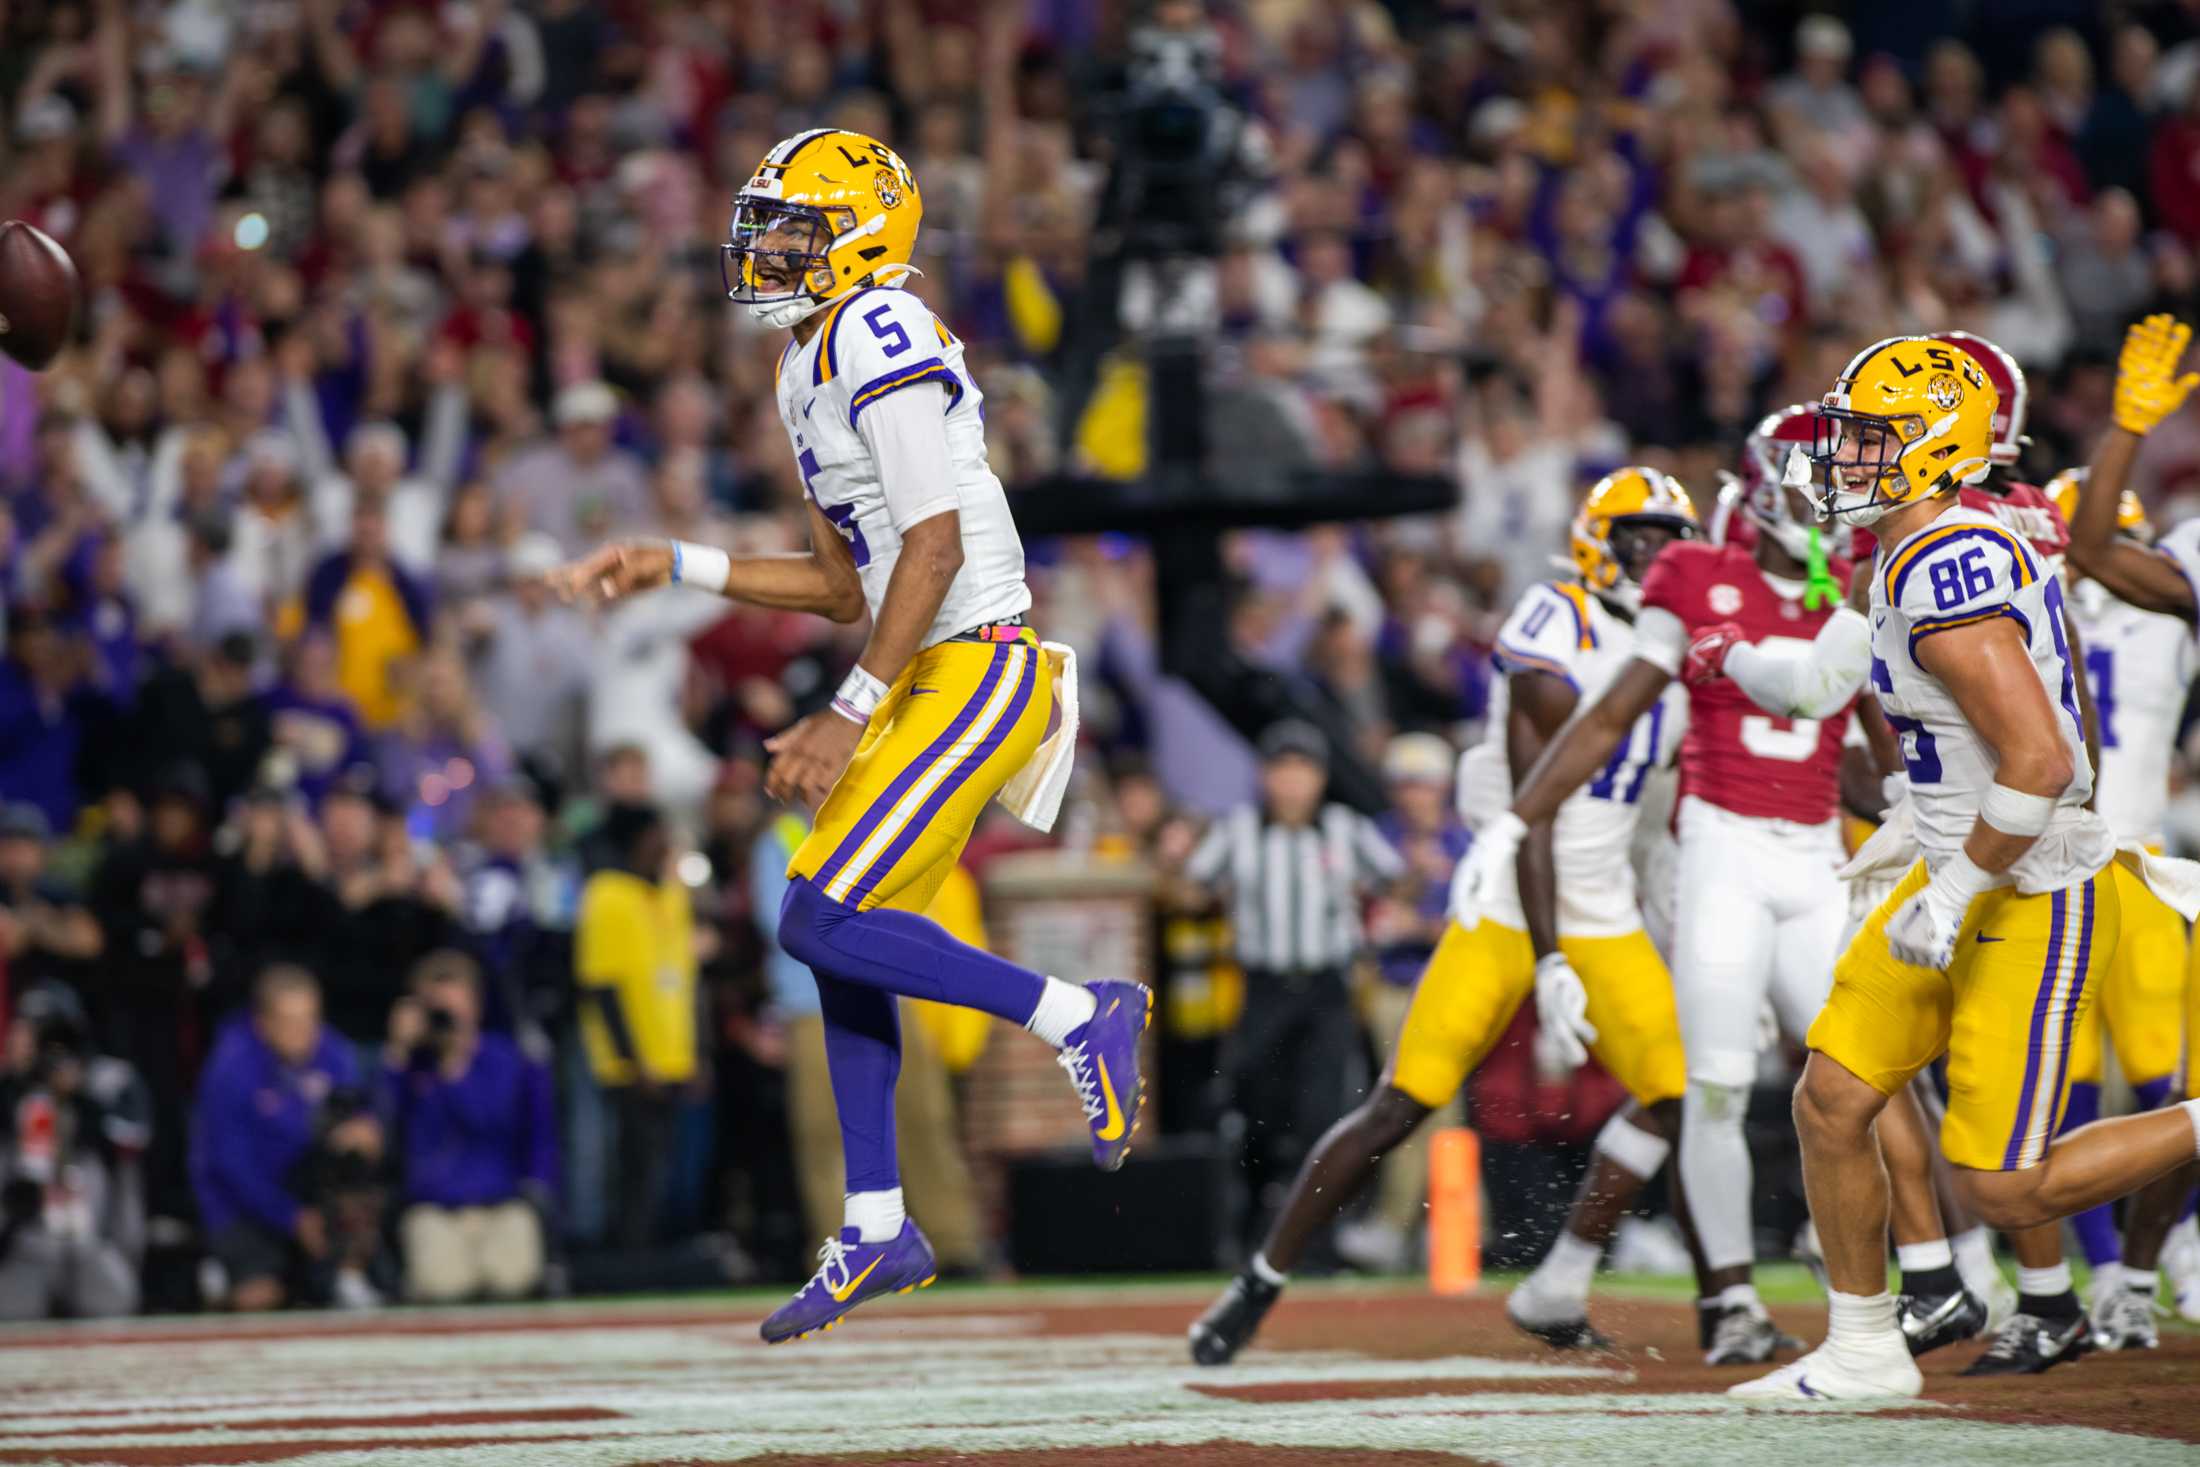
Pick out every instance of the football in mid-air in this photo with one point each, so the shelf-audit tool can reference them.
(38, 295)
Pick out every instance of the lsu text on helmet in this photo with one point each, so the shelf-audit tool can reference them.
(827, 213)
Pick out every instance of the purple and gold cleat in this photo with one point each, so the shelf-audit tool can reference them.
(849, 1272)
(1102, 1060)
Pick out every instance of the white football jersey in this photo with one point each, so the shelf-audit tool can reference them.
(1560, 629)
(875, 343)
(1962, 569)
(2139, 664)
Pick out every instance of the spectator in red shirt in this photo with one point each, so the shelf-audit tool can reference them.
(2173, 171)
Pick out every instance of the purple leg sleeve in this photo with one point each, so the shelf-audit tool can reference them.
(863, 1051)
(903, 953)
(2096, 1226)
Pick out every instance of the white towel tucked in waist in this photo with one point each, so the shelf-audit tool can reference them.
(1034, 795)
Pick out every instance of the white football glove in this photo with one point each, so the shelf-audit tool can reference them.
(1486, 870)
(1563, 1031)
(1924, 929)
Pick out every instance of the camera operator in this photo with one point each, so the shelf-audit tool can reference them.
(473, 1129)
(73, 1127)
(285, 1155)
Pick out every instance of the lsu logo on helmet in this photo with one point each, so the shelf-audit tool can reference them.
(1617, 507)
(827, 213)
(2010, 392)
(1909, 417)
(2131, 515)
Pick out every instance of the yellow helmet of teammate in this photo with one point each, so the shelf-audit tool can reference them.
(2131, 515)
(1610, 549)
(1909, 417)
(828, 212)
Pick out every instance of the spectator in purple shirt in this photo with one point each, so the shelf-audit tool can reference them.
(45, 698)
(477, 1141)
(313, 721)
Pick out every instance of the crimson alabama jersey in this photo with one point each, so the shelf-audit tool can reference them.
(2024, 508)
(1736, 755)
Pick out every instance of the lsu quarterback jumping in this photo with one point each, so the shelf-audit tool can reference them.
(1574, 906)
(953, 701)
(1990, 948)
(1759, 905)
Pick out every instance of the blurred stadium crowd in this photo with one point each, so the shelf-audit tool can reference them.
(372, 924)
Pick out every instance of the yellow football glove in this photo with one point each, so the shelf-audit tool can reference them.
(2147, 389)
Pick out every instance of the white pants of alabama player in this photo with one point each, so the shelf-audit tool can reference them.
(1760, 921)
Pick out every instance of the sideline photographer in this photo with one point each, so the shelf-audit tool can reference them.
(73, 1128)
(286, 1156)
(474, 1133)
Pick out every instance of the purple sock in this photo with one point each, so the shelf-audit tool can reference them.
(2096, 1226)
(901, 953)
(863, 1052)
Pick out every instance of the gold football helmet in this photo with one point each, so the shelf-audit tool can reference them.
(1909, 417)
(2131, 515)
(1609, 550)
(827, 213)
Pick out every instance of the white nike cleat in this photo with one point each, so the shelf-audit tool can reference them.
(2181, 1263)
(1881, 1373)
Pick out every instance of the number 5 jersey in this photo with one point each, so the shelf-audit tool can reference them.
(1737, 756)
(846, 398)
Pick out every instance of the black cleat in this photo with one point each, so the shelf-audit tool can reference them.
(1231, 1321)
(1746, 1336)
(1561, 1334)
(1929, 1321)
(2028, 1344)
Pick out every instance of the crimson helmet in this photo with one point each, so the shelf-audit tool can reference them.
(1764, 461)
(2008, 379)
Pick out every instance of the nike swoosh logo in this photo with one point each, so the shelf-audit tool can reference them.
(1802, 1384)
(841, 1295)
(807, 406)
(1114, 1127)
(1982, 937)
(920, 692)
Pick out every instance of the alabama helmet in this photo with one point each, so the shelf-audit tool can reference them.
(1782, 432)
(828, 212)
(1631, 498)
(2008, 378)
(1908, 418)
(2131, 515)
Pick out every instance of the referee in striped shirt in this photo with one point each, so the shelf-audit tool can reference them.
(1292, 873)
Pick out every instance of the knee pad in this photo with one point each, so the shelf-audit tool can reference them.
(1717, 1105)
(1719, 1082)
(806, 916)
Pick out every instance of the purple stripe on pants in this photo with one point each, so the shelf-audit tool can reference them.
(885, 803)
(2040, 1009)
(1002, 727)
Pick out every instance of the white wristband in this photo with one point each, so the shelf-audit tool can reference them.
(859, 696)
(1963, 876)
(700, 565)
(2015, 812)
